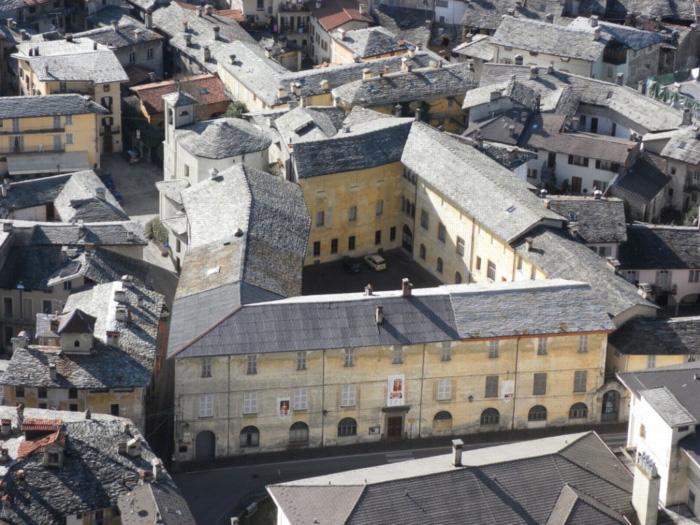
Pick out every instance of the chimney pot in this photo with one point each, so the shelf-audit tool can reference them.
(88, 414)
(620, 79)
(369, 290)
(213, 173)
(529, 244)
(549, 18)
(406, 287)
(457, 447)
(52, 371)
(208, 9)
(379, 314)
(534, 72)
(593, 20)
(596, 33)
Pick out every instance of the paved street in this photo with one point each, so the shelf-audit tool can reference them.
(215, 495)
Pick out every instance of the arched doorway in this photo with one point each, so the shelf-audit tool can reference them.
(407, 238)
(611, 406)
(205, 446)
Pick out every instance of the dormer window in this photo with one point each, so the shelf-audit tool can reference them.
(76, 343)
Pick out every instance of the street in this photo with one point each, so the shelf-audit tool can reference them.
(215, 495)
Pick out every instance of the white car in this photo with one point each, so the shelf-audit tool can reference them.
(376, 262)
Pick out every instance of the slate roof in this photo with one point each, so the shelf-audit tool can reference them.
(641, 182)
(71, 61)
(683, 146)
(627, 106)
(680, 383)
(206, 89)
(145, 501)
(631, 37)
(48, 106)
(493, 196)
(446, 313)
(93, 477)
(596, 220)
(514, 90)
(510, 157)
(489, 14)
(479, 47)
(31, 192)
(668, 10)
(309, 123)
(526, 482)
(561, 257)
(99, 233)
(421, 84)
(335, 13)
(543, 37)
(222, 138)
(650, 336)
(76, 322)
(409, 24)
(652, 247)
(365, 145)
(77, 200)
(129, 32)
(372, 41)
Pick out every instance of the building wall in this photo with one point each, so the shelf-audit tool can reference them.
(335, 194)
(422, 367)
(619, 362)
(441, 111)
(141, 58)
(575, 66)
(342, 55)
(241, 92)
(322, 42)
(564, 171)
(605, 125)
(680, 280)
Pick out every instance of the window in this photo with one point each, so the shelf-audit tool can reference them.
(132, 57)
(580, 380)
(491, 389)
(582, 344)
(7, 306)
(392, 233)
(397, 355)
(493, 349)
(421, 252)
(442, 232)
(542, 346)
(72, 393)
(348, 395)
(577, 160)
(76, 343)
(378, 237)
(442, 420)
(445, 352)
(605, 165)
(250, 437)
(531, 173)
(539, 385)
(67, 285)
(301, 360)
(252, 364)
(478, 263)
(149, 53)
(73, 407)
(491, 270)
(320, 218)
(632, 276)
(444, 389)
(300, 401)
(347, 427)
(694, 276)
(351, 242)
(317, 248)
(206, 367)
(261, 5)
(379, 210)
(69, 138)
(349, 357)
(651, 361)
(424, 219)
(46, 307)
(490, 416)
(458, 277)
(206, 405)
(41, 392)
(299, 432)
(352, 214)
(578, 411)
(460, 246)
(537, 413)
(250, 402)
(334, 245)
(19, 391)
(439, 265)
(114, 409)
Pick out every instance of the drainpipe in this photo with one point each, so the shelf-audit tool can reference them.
(323, 396)
(228, 411)
(515, 380)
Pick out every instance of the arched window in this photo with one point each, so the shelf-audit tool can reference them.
(347, 427)
(439, 265)
(76, 343)
(490, 416)
(537, 413)
(299, 433)
(422, 251)
(578, 411)
(458, 277)
(250, 437)
(442, 420)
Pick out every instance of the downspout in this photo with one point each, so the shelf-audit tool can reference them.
(323, 396)
(515, 381)
(228, 411)
(420, 403)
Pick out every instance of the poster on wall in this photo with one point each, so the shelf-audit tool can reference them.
(396, 395)
(283, 407)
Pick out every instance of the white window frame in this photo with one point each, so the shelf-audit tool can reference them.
(348, 395)
(206, 405)
(444, 389)
(250, 402)
(300, 401)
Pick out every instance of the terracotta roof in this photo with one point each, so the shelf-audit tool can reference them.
(206, 89)
(41, 425)
(335, 13)
(28, 447)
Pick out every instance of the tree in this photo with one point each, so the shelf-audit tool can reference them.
(236, 109)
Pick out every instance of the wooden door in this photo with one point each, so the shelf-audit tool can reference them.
(394, 428)
(576, 184)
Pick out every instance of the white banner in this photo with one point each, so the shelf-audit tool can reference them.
(396, 393)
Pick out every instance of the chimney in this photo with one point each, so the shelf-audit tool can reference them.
(593, 21)
(115, 26)
(100, 193)
(52, 371)
(238, 233)
(87, 414)
(529, 244)
(511, 130)
(550, 69)
(200, 10)
(613, 264)
(157, 465)
(398, 110)
(379, 314)
(596, 34)
(5, 427)
(208, 9)
(369, 290)
(188, 39)
(645, 490)
(21, 341)
(366, 73)
(185, 26)
(113, 337)
(149, 20)
(217, 32)
(296, 88)
(145, 476)
(281, 92)
(404, 64)
(342, 33)
(534, 72)
(24, 35)
(543, 193)
(406, 287)
(549, 18)
(36, 51)
(121, 314)
(94, 46)
(7, 227)
(620, 79)
(213, 173)
(687, 117)
(207, 53)
(20, 414)
(120, 296)
(457, 447)
(133, 447)
(597, 194)
(494, 95)
(69, 36)
(4, 455)
(325, 85)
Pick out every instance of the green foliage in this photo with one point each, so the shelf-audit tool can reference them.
(156, 231)
(236, 109)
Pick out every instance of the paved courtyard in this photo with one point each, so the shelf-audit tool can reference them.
(137, 185)
(333, 278)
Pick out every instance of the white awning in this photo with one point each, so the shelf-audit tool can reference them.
(42, 162)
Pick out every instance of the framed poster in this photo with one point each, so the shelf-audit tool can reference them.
(283, 407)
(396, 393)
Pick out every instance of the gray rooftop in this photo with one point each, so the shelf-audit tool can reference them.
(493, 196)
(363, 145)
(412, 25)
(596, 220)
(447, 313)
(650, 336)
(126, 233)
(641, 182)
(48, 106)
(371, 41)
(129, 32)
(222, 138)
(561, 257)
(630, 37)
(479, 47)
(573, 478)
(512, 89)
(488, 15)
(78, 200)
(309, 123)
(683, 146)
(419, 84)
(656, 247)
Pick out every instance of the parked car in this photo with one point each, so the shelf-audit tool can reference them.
(376, 262)
(352, 265)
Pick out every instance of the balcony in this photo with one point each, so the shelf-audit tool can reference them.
(615, 54)
(692, 183)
